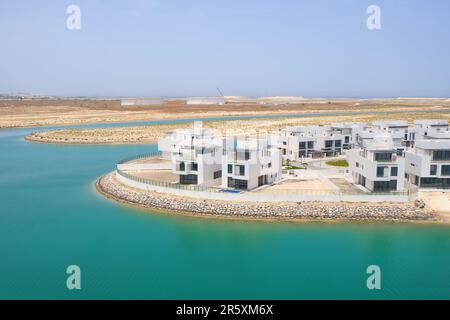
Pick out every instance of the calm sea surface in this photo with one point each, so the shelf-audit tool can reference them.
(51, 217)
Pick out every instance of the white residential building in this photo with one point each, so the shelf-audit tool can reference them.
(376, 165)
(421, 129)
(398, 129)
(297, 143)
(347, 129)
(195, 154)
(428, 162)
(248, 163)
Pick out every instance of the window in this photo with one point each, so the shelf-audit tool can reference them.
(337, 143)
(182, 166)
(302, 145)
(394, 171)
(194, 166)
(239, 170)
(237, 184)
(441, 155)
(230, 168)
(188, 179)
(310, 144)
(379, 186)
(393, 185)
(383, 156)
(284, 152)
(445, 170)
(433, 170)
(328, 143)
(218, 174)
(302, 154)
(380, 172)
(284, 143)
(357, 164)
(247, 155)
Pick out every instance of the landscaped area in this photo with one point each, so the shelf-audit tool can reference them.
(338, 163)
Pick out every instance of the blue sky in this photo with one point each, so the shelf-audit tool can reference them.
(314, 48)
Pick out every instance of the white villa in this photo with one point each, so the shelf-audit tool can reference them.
(428, 162)
(421, 128)
(297, 143)
(248, 163)
(398, 129)
(381, 158)
(377, 166)
(195, 154)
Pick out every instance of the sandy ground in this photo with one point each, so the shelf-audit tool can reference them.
(150, 134)
(298, 184)
(438, 201)
(27, 113)
(157, 175)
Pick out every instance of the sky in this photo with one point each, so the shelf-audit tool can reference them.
(173, 48)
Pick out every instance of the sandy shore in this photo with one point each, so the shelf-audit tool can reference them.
(302, 212)
(29, 113)
(149, 134)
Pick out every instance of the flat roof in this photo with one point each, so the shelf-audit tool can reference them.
(433, 144)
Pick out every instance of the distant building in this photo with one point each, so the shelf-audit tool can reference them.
(206, 100)
(141, 101)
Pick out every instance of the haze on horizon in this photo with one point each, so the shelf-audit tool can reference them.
(176, 48)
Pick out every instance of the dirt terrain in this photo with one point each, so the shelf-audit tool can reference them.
(151, 133)
(29, 113)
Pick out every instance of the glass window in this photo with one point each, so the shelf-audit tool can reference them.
(441, 155)
(218, 174)
(380, 172)
(445, 170)
(347, 139)
(433, 170)
(328, 143)
(383, 156)
(194, 166)
(310, 144)
(240, 170)
(188, 179)
(394, 171)
(337, 143)
(302, 145)
(237, 184)
(230, 168)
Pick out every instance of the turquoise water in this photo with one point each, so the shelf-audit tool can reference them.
(51, 217)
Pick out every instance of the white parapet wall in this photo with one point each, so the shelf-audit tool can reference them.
(144, 166)
(328, 195)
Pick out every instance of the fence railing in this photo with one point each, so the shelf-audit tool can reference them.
(410, 191)
(165, 184)
(142, 156)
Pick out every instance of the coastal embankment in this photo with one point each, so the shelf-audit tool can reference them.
(110, 187)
